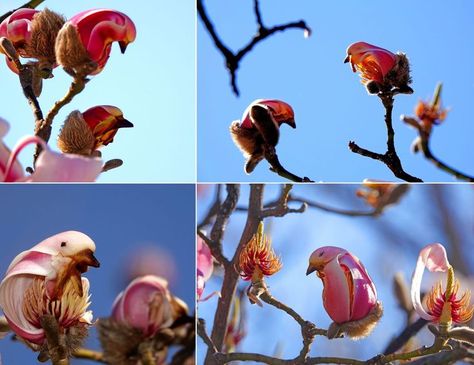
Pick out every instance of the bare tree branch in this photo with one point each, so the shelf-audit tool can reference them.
(232, 59)
(390, 157)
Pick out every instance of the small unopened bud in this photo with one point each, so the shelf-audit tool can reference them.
(76, 137)
(44, 30)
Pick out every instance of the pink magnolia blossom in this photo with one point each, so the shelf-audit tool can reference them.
(46, 280)
(50, 166)
(147, 304)
(349, 293)
(205, 266)
(281, 111)
(97, 30)
(17, 29)
(372, 62)
(441, 304)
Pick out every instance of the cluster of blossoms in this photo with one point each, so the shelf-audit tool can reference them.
(82, 46)
(45, 284)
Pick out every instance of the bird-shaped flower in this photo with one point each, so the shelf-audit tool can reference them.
(380, 69)
(349, 294)
(146, 304)
(50, 166)
(46, 280)
(83, 133)
(260, 126)
(33, 34)
(443, 306)
(84, 43)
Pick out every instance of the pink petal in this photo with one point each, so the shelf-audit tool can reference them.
(16, 171)
(365, 294)
(336, 295)
(133, 305)
(204, 259)
(434, 258)
(56, 167)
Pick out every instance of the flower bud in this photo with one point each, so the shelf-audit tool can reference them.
(260, 125)
(84, 43)
(33, 34)
(83, 133)
(380, 69)
(349, 294)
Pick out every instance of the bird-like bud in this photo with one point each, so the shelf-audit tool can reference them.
(45, 281)
(33, 34)
(349, 294)
(380, 69)
(260, 126)
(84, 42)
(83, 133)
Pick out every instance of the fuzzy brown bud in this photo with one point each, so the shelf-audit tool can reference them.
(44, 30)
(71, 53)
(76, 137)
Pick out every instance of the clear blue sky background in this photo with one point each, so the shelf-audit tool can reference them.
(153, 83)
(385, 245)
(121, 219)
(330, 104)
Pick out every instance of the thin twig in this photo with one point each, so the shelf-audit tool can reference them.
(390, 157)
(408, 332)
(30, 5)
(232, 59)
(280, 207)
(212, 212)
(44, 128)
(83, 353)
(276, 167)
(424, 144)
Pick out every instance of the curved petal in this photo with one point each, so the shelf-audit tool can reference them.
(204, 259)
(16, 172)
(336, 293)
(55, 167)
(133, 306)
(364, 296)
(434, 258)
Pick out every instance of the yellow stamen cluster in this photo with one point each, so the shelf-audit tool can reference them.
(68, 309)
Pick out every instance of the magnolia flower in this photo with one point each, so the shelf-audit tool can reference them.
(46, 280)
(83, 133)
(205, 266)
(380, 69)
(33, 35)
(431, 112)
(86, 39)
(146, 304)
(257, 259)
(349, 294)
(260, 125)
(443, 306)
(50, 166)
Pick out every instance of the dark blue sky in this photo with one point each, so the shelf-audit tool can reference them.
(121, 219)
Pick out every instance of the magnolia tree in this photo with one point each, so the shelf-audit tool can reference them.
(384, 74)
(47, 305)
(349, 294)
(35, 43)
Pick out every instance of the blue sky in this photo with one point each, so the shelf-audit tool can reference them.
(121, 219)
(153, 83)
(331, 106)
(385, 245)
